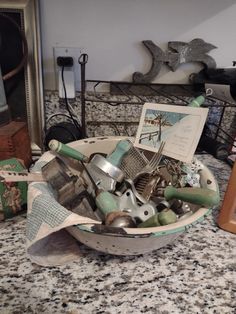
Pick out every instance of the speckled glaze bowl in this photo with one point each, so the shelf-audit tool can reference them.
(134, 241)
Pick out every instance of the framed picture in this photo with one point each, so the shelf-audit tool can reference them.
(20, 59)
(179, 127)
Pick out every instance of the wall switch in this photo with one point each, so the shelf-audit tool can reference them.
(68, 52)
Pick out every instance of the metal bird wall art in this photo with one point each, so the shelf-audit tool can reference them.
(178, 52)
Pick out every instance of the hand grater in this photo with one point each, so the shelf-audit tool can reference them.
(133, 163)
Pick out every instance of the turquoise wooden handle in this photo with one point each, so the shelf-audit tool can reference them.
(150, 222)
(199, 196)
(122, 148)
(197, 102)
(106, 202)
(66, 150)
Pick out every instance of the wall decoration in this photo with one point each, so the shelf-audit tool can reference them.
(178, 52)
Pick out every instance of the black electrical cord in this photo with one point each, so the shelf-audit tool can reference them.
(64, 125)
(66, 129)
(77, 126)
(57, 114)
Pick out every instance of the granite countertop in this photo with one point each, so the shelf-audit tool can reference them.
(195, 274)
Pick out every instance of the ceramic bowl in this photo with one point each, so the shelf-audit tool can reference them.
(134, 241)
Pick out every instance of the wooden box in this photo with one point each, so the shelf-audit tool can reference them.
(15, 142)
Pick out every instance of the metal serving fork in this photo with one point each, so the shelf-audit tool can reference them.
(153, 163)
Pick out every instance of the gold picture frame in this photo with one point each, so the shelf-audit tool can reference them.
(33, 85)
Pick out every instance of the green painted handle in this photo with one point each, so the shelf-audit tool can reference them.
(167, 216)
(199, 196)
(122, 148)
(197, 102)
(150, 222)
(106, 202)
(66, 150)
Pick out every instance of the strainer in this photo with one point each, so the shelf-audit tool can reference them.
(134, 241)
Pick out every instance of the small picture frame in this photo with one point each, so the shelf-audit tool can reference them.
(179, 127)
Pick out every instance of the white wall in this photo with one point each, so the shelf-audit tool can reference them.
(111, 31)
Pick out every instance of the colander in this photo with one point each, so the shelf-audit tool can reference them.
(134, 241)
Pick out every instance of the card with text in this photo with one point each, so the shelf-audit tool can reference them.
(180, 127)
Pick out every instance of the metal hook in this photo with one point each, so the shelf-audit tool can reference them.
(83, 58)
(209, 91)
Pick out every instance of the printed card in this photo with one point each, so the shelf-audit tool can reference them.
(180, 127)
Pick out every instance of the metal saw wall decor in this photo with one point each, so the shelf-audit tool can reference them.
(178, 52)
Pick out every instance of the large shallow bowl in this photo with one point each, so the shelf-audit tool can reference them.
(135, 240)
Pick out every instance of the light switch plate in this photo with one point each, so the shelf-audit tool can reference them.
(73, 52)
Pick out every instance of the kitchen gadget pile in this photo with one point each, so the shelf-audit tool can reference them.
(127, 188)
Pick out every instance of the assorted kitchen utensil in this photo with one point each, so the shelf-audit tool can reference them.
(152, 165)
(133, 162)
(128, 189)
(136, 214)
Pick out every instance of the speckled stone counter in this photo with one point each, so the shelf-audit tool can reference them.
(117, 118)
(196, 274)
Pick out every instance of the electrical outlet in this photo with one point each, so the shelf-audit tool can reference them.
(68, 52)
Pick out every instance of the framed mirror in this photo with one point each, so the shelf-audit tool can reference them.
(19, 23)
